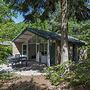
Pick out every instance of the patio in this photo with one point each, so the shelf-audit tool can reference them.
(31, 65)
(32, 68)
(42, 46)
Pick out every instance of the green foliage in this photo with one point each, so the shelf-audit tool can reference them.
(54, 20)
(9, 30)
(75, 74)
(57, 74)
(82, 32)
(42, 25)
(5, 11)
(4, 52)
(5, 75)
(41, 8)
(80, 73)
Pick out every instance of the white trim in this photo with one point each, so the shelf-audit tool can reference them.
(55, 53)
(27, 51)
(26, 48)
(37, 43)
(37, 52)
(48, 53)
(36, 47)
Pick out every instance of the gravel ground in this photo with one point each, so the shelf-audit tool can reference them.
(6, 68)
(30, 72)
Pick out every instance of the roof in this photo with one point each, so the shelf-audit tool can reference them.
(50, 35)
(6, 43)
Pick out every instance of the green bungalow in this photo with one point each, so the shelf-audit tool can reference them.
(40, 46)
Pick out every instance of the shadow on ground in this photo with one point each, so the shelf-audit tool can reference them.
(34, 83)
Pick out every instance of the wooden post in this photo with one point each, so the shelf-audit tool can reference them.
(48, 53)
(37, 50)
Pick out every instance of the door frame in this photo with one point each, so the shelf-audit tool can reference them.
(26, 49)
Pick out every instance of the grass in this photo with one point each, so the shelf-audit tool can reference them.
(5, 75)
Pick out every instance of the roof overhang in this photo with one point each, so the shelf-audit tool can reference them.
(23, 36)
(28, 33)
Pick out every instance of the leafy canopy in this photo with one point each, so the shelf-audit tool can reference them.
(32, 9)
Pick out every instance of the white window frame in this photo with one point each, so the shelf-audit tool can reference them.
(26, 49)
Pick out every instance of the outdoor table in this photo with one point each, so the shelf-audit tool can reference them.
(15, 60)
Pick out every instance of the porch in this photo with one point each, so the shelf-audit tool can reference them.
(41, 46)
(31, 66)
(33, 47)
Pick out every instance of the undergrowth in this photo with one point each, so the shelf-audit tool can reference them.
(73, 73)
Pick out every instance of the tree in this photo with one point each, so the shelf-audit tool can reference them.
(5, 11)
(32, 9)
(64, 31)
(9, 30)
(4, 16)
(40, 9)
(82, 31)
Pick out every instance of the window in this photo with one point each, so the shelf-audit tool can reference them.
(24, 49)
(43, 48)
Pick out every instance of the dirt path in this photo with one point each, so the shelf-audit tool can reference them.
(26, 83)
(33, 83)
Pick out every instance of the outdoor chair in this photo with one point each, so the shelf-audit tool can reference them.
(18, 60)
(17, 55)
(15, 60)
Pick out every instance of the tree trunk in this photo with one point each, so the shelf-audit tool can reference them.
(64, 31)
(58, 52)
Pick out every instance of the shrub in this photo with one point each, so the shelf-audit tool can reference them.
(73, 73)
(5, 75)
(57, 74)
(80, 73)
(4, 52)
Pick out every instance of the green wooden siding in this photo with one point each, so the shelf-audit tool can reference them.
(52, 54)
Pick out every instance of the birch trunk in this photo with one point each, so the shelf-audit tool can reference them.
(64, 32)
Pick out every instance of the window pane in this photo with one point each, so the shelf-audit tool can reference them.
(24, 52)
(24, 47)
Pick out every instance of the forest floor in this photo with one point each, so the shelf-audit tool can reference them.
(35, 81)
(26, 78)
(26, 83)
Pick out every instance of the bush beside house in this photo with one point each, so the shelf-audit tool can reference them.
(5, 51)
(76, 74)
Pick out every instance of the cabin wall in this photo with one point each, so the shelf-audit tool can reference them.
(73, 52)
(70, 49)
(57, 52)
(52, 53)
(83, 53)
(16, 48)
